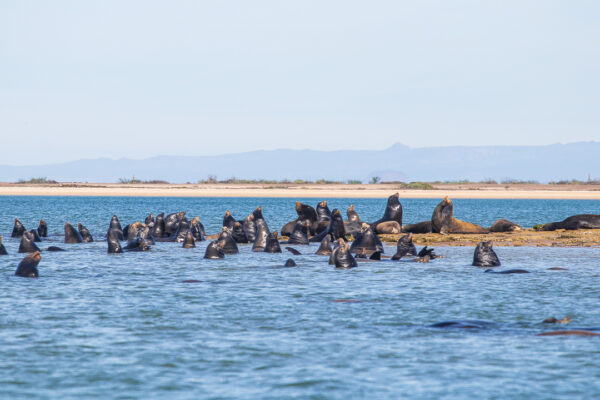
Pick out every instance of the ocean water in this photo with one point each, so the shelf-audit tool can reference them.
(127, 326)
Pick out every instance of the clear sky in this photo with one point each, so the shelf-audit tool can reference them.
(86, 79)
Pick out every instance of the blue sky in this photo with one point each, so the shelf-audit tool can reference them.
(143, 78)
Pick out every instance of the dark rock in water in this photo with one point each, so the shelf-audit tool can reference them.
(290, 263)
(485, 256)
(54, 248)
(28, 266)
(293, 251)
(464, 324)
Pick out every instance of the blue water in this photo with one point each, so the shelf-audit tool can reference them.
(126, 326)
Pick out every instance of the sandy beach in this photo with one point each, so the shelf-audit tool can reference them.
(321, 191)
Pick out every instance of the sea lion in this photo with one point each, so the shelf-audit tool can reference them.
(228, 220)
(27, 244)
(343, 259)
(367, 240)
(250, 228)
(300, 232)
(257, 213)
(352, 214)
(18, 229)
(131, 231)
(325, 246)
(197, 229)
(3, 251)
(36, 235)
(504, 225)
(336, 247)
(293, 251)
(115, 226)
(575, 332)
(228, 244)
(214, 250)
(158, 230)
(323, 217)
(405, 247)
(27, 268)
(419, 227)
(42, 229)
(54, 248)
(574, 222)
(290, 263)
(464, 324)
(426, 254)
(71, 234)
(239, 235)
(507, 271)
(393, 212)
(85, 234)
(272, 245)
(262, 231)
(443, 221)
(114, 246)
(336, 228)
(172, 222)
(552, 320)
(144, 233)
(376, 256)
(485, 256)
(149, 220)
(183, 227)
(189, 241)
(137, 244)
(305, 212)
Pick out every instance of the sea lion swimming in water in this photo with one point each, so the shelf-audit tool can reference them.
(28, 266)
(36, 235)
(137, 244)
(504, 225)
(85, 234)
(144, 233)
(189, 241)
(228, 244)
(300, 233)
(158, 230)
(239, 234)
(214, 250)
(293, 251)
(18, 229)
(197, 229)
(336, 228)
(366, 240)
(290, 263)
(172, 222)
(485, 256)
(262, 232)
(323, 217)
(42, 229)
(228, 220)
(71, 234)
(393, 213)
(183, 228)
(325, 246)
(574, 222)
(404, 247)
(115, 226)
(343, 259)
(272, 245)
(250, 228)
(112, 238)
(27, 244)
(443, 221)
(3, 251)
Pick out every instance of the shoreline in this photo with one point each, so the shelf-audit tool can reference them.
(322, 191)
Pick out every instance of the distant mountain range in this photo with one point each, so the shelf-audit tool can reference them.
(397, 163)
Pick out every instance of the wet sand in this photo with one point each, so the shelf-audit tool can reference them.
(321, 191)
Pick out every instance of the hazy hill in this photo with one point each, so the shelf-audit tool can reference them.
(399, 162)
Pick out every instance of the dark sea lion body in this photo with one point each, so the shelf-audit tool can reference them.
(366, 240)
(36, 235)
(352, 214)
(300, 233)
(239, 234)
(464, 324)
(404, 247)
(343, 259)
(27, 244)
(183, 227)
(112, 238)
(507, 271)
(54, 248)
(485, 256)
(257, 214)
(189, 241)
(85, 234)
(228, 220)
(227, 243)
(443, 221)
(214, 250)
(197, 229)
(388, 228)
(262, 232)
(419, 227)
(115, 226)
(574, 332)
(393, 212)
(352, 228)
(323, 217)
(42, 229)
(504, 225)
(3, 251)
(149, 221)
(272, 245)
(290, 263)
(325, 246)
(72, 235)
(336, 228)
(293, 251)
(250, 228)
(131, 231)
(158, 230)
(145, 233)
(574, 222)
(172, 222)
(137, 244)
(18, 229)
(28, 266)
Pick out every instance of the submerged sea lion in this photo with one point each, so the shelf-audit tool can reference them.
(343, 259)
(214, 250)
(112, 238)
(575, 332)
(3, 251)
(464, 324)
(115, 226)
(404, 247)
(504, 225)
(352, 214)
(419, 227)
(293, 251)
(189, 241)
(85, 234)
(28, 266)
(262, 231)
(443, 221)
(393, 213)
(290, 263)
(336, 228)
(552, 320)
(42, 229)
(325, 246)
(239, 235)
(228, 244)
(272, 245)
(27, 244)
(54, 248)
(18, 229)
(508, 271)
(366, 240)
(485, 256)
(574, 222)
(228, 220)
(300, 233)
(71, 234)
